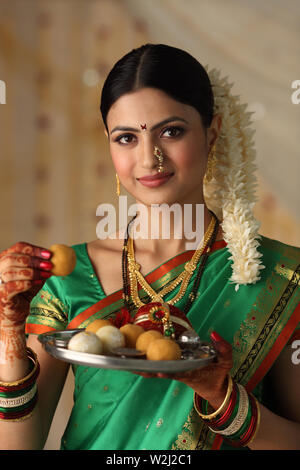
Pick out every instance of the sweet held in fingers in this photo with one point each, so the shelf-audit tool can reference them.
(63, 260)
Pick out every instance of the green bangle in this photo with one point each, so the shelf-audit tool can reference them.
(13, 405)
(16, 393)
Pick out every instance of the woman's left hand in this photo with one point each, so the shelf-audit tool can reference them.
(209, 382)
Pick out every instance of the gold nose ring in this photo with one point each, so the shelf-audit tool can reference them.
(159, 156)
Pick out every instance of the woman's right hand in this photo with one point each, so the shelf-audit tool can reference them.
(24, 268)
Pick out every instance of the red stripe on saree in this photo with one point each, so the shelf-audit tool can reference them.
(38, 329)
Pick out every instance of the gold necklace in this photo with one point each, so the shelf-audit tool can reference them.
(135, 276)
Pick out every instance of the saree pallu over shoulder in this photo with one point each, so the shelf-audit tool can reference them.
(269, 316)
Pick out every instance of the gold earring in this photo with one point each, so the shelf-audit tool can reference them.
(118, 191)
(211, 162)
(159, 156)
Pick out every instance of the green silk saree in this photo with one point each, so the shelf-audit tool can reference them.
(116, 410)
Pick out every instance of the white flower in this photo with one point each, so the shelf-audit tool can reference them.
(230, 194)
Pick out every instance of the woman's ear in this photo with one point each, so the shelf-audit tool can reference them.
(214, 130)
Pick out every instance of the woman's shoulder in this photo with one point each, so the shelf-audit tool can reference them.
(282, 265)
(279, 250)
(104, 247)
(94, 249)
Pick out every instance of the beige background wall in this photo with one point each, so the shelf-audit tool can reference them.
(55, 167)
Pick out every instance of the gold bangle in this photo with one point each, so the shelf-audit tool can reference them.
(33, 357)
(222, 407)
(257, 423)
(22, 418)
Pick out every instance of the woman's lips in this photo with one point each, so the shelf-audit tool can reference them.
(153, 181)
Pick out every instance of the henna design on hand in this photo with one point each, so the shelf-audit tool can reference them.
(19, 268)
(12, 344)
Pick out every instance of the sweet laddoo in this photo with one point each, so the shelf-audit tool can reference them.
(131, 333)
(63, 259)
(163, 350)
(146, 338)
(97, 324)
(87, 342)
(111, 337)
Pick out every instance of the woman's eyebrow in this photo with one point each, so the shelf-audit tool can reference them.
(161, 123)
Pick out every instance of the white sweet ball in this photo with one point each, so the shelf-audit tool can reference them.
(111, 337)
(86, 342)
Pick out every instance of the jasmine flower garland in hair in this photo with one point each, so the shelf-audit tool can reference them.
(231, 192)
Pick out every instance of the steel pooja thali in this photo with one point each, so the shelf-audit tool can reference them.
(56, 344)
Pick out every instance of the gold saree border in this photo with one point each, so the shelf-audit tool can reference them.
(47, 313)
(257, 332)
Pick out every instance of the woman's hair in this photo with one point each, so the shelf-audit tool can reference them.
(163, 67)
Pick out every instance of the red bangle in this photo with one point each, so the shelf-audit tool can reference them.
(228, 412)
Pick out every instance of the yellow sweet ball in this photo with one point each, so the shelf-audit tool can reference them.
(63, 259)
(163, 350)
(146, 338)
(97, 324)
(131, 333)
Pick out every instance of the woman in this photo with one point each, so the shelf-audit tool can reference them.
(163, 122)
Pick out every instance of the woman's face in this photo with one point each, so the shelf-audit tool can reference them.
(183, 140)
